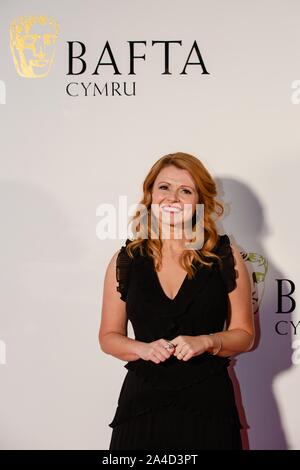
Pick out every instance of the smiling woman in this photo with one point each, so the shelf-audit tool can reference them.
(173, 193)
(190, 310)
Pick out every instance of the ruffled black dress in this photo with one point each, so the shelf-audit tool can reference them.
(176, 404)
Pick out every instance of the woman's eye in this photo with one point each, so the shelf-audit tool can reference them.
(188, 191)
(183, 189)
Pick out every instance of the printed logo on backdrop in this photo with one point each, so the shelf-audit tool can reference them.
(258, 267)
(285, 326)
(33, 40)
(136, 51)
(32, 44)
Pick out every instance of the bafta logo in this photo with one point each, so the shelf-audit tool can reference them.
(257, 267)
(32, 43)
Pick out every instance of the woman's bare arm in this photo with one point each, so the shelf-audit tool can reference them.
(113, 337)
(240, 334)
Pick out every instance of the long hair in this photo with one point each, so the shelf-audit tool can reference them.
(206, 189)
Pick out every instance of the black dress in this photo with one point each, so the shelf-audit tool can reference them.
(176, 404)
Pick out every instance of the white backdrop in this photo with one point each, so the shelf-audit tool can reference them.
(62, 156)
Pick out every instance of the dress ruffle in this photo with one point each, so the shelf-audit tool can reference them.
(123, 270)
(124, 264)
(139, 407)
(174, 374)
(187, 399)
(228, 271)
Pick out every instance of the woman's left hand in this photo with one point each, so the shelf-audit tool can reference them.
(187, 347)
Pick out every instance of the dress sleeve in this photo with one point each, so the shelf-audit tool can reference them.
(228, 271)
(123, 268)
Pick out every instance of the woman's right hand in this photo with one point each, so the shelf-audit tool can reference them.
(156, 351)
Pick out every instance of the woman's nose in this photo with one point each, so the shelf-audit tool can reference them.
(173, 196)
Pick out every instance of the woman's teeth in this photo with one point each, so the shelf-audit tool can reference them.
(171, 209)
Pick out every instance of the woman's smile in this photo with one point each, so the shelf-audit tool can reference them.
(171, 209)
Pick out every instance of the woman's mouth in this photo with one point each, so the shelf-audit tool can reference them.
(171, 209)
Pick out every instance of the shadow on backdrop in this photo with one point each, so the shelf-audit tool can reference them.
(253, 372)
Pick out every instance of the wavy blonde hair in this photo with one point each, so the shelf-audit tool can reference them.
(206, 189)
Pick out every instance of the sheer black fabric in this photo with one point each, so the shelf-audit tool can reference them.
(176, 404)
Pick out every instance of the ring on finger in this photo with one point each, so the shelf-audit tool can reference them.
(170, 345)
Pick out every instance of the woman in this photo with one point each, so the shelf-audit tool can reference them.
(190, 310)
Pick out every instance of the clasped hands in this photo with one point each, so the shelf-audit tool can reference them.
(185, 347)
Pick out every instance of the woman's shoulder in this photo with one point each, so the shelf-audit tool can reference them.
(223, 245)
(226, 250)
(123, 255)
(123, 269)
(223, 241)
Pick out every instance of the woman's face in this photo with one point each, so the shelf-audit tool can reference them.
(175, 194)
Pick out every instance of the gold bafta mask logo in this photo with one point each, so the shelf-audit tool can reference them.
(32, 43)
